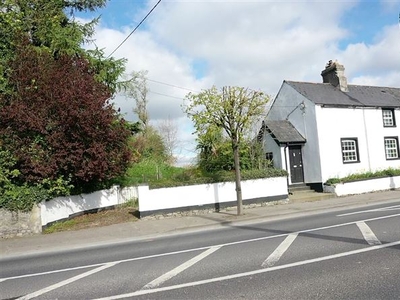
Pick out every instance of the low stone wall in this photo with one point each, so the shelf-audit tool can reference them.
(209, 196)
(364, 186)
(19, 223)
(199, 212)
(13, 224)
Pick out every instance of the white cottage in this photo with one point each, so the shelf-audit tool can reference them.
(317, 131)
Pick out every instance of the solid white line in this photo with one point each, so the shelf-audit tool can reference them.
(160, 280)
(276, 255)
(199, 248)
(260, 271)
(65, 282)
(50, 272)
(368, 234)
(393, 207)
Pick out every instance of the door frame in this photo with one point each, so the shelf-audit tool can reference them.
(300, 151)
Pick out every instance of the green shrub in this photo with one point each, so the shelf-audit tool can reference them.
(22, 197)
(147, 171)
(361, 176)
(195, 176)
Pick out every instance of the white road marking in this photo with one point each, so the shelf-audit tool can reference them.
(276, 255)
(255, 272)
(50, 272)
(368, 234)
(156, 282)
(388, 208)
(65, 282)
(197, 249)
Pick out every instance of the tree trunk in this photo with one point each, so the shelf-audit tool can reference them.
(238, 180)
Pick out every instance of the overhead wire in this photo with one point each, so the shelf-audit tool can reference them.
(175, 86)
(137, 26)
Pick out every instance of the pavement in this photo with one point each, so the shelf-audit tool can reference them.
(151, 228)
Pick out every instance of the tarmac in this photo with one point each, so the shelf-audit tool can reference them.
(144, 229)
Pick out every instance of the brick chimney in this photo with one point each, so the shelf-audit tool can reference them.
(334, 74)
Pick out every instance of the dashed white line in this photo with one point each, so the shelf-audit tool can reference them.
(279, 251)
(368, 234)
(65, 282)
(260, 271)
(179, 269)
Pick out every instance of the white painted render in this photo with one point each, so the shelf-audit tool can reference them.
(292, 106)
(323, 127)
(63, 207)
(206, 194)
(364, 186)
(366, 125)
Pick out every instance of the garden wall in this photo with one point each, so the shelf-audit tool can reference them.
(150, 202)
(364, 186)
(20, 223)
(62, 208)
(205, 196)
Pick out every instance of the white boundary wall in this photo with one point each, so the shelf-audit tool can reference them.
(63, 207)
(364, 186)
(208, 194)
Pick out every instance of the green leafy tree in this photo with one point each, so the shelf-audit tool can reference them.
(47, 27)
(56, 117)
(216, 152)
(136, 89)
(232, 109)
(60, 122)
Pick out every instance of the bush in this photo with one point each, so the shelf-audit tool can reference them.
(195, 176)
(361, 176)
(22, 198)
(147, 171)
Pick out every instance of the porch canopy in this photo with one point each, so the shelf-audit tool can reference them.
(284, 133)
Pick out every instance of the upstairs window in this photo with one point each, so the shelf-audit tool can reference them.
(350, 150)
(388, 118)
(392, 147)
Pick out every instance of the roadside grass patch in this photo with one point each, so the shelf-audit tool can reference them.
(123, 213)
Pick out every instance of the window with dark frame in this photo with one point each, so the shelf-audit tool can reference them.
(269, 156)
(391, 147)
(388, 117)
(350, 150)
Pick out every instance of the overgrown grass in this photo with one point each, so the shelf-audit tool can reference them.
(61, 226)
(148, 171)
(126, 212)
(362, 176)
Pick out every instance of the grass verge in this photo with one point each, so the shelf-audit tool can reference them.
(121, 214)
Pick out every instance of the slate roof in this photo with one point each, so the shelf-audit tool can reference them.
(284, 132)
(358, 95)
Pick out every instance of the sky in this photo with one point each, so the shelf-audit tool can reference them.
(191, 45)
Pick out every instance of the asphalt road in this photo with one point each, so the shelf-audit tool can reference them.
(352, 254)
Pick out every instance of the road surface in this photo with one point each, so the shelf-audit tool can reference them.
(343, 254)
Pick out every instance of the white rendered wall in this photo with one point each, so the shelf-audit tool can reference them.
(364, 186)
(205, 194)
(366, 125)
(289, 105)
(63, 207)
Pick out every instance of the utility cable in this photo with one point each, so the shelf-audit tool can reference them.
(137, 26)
(175, 86)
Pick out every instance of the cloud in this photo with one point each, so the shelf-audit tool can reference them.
(378, 63)
(255, 44)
